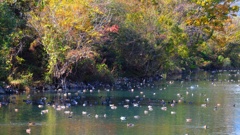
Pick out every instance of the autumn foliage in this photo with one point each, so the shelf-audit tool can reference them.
(80, 39)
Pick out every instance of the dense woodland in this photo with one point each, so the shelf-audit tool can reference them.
(50, 41)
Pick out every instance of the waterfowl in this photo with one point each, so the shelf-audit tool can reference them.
(58, 108)
(126, 106)
(150, 109)
(205, 126)
(172, 112)
(127, 100)
(135, 104)
(84, 113)
(145, 112)
(28, 131)
(105, 115)
(188, 120)
(96, 116)
(113, 107)
(207, 99)
(16, 110)
(122, 118)
(164, 108)
(40, 106)
(44, 112)
(136, 117)
(63, 107)
(68, 112)
(31, 123)
(130, 125)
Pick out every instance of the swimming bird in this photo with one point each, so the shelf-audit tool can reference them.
(188, 120)
(164, 108)
(63, 107)
(16, 110)
(126, 106)
(68, 112)
(40, 106)
(58, 108)
(28, 131)
(136, 116)
(31, 123)
(130, 125)
(127, 100)
(122, 118)
(205, 126)
(172, 112)
(113, 107)
(207, 99)
(145, 112)
(84, 113)
(44, 112)
(135, 104)
(150, 109)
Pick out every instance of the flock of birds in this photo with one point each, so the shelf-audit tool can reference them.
(66, 100)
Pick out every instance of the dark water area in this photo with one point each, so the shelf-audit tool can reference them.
(201, 103)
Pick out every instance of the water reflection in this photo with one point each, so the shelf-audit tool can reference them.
(203, 99)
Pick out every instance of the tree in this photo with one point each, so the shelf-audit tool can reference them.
(67, 30)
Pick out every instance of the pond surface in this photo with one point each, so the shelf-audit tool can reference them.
(197, 104)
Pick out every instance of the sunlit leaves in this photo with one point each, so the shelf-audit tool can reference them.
(64, 27)
(212, 14)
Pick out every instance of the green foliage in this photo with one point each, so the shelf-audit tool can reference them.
(8, 32)
(95, 39)
(22, 79)
(67, 30)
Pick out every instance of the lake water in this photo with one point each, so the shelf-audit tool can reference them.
(176, 106)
